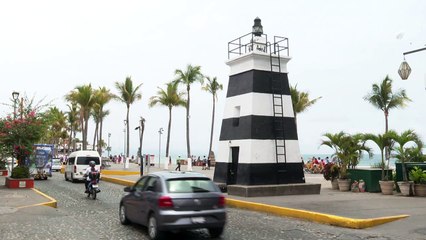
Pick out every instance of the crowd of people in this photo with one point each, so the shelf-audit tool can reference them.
(315, 165)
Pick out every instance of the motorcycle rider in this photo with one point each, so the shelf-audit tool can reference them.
(91, 172)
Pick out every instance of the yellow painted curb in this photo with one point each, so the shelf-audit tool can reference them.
(51, 203)
(314, 216)
(119, 172)
(118, 181)
(296, 213)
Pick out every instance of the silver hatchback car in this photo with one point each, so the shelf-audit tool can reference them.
(173, 201)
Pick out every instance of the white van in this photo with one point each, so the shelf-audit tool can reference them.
(78, 162)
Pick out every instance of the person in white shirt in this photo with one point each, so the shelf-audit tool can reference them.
(89, 174)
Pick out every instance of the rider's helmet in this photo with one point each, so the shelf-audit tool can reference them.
(92, 163)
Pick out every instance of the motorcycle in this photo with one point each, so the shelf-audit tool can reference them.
(93, 188)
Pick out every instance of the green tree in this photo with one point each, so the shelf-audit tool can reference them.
(402, 151)
(212, 86)
(84, 97)
(383, 98)
(73, 123)
(348, 149)
(383, 141)
(102, 97)
(191, 75)
(300, 101)
(57, 125)
(128, 94)
(169, 98)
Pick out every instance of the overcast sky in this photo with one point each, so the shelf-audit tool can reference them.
(338, 49)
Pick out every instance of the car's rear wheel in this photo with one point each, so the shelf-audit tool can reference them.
(153, 232)
(122, 215)
(72, 178)
(215, 232)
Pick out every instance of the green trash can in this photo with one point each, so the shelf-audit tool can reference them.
(371, 177)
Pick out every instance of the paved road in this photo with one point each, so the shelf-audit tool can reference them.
(80, 218)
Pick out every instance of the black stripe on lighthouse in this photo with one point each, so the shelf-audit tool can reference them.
(256, 81)
(255, 127)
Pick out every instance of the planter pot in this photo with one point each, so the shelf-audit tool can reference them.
(386, 187)
(406, 188)
(3, 172)
(19, 182)
(420, 190)
(334, 184)
(344, 184)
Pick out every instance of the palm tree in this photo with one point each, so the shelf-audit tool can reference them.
(72, 117)
(169, 98)
(348, 149)
(383, 141)
(212, 86)
(384, 99)
(402, 151)
(300, 101)
(83, 96)
(102, 96)
(128, 95)
(191, 75)
(56, 127)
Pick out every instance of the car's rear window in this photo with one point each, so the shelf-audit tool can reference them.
(190, 185)
(85, 160)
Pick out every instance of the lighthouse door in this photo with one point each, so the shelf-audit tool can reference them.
(233, 168)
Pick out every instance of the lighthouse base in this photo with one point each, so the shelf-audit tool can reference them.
(274, 190)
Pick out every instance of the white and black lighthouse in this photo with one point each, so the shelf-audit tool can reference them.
(258, 142)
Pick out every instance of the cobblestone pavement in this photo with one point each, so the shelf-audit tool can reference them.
(78, 217)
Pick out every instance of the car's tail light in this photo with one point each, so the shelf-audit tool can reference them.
(75, 169)
(165, 202)
(221, 201)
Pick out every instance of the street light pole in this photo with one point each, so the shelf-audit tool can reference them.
(141, 128)
(160, 131)
(15, 96)
(109, 146)
(124, 151)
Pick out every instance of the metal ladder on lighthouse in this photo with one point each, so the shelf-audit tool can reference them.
(277, 103)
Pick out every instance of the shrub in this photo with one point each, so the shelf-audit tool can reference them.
(418, 175)
(20, 172)
(331, 171)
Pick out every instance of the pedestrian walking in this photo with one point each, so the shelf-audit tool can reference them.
(178, 166)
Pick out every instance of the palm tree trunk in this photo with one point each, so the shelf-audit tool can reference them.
(188, 147)
(95, 136)
(70, 140)
(211, 131)
(169, 127)
(127, 119)
(86, 126)
(100, 137)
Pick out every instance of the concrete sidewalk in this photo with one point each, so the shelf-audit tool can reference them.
(345, 209)
(11, 200)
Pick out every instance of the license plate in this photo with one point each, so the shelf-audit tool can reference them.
(198, 220)
(95, 185)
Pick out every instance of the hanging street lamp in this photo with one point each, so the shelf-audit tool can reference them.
(405, 69)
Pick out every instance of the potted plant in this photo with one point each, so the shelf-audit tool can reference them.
(348, 149)
(402, 154)
(418, 176)
(331, 172)
(383, 141)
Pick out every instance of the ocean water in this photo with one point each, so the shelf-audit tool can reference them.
(365, 161)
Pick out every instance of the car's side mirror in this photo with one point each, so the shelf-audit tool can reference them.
(129, 189)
